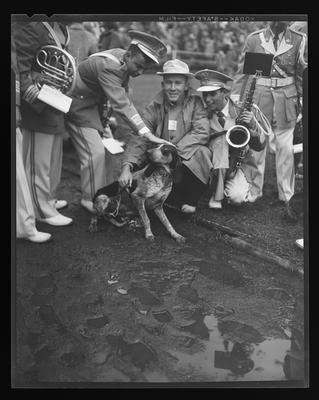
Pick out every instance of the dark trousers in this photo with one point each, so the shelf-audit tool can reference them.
(188, 189)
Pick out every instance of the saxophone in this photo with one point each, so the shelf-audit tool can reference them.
(238, 135)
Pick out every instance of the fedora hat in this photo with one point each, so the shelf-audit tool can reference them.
(176, 67)
(150, 45)
(211, 80)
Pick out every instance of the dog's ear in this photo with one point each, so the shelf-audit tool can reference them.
(111, 190)
(150, 169)
(176, 161)
(172, 150)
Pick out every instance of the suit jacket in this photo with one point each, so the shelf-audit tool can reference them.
(290, 58)
(39, 116)
(103, 77)
(196, 132)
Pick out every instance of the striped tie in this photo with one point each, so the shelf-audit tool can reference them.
(221, 118)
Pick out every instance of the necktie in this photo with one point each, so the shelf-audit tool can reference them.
(275, 40)
(221, 118)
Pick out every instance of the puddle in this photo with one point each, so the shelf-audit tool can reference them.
(140, 354)
(144, 295)
(253, 358)
(162, 316)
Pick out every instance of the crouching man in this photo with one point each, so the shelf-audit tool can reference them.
(234, 166)
(177, 114)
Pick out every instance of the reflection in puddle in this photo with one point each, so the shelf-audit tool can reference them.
(225, 360)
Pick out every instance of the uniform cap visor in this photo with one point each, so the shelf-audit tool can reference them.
(209, 88)
(147, 52)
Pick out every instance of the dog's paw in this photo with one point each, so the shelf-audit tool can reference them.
(180, 239)
(150, 237)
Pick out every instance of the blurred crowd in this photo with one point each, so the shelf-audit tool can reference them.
(212, 43)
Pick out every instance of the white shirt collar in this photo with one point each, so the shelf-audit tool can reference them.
(280, 35)
(225, 110)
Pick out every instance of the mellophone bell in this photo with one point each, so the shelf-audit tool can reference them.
(56, 78)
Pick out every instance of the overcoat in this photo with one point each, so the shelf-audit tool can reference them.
(196, 128)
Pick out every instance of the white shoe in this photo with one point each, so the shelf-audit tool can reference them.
(38, 237)
(217, 205)
(60, 204)
(299, 243)
(57, 220)
(253, 197)
(187, 209)
(88, 205)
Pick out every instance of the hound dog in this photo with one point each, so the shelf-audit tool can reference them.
(149, 190)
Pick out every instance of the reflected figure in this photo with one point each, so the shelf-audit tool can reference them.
(237, 360)
(294, 363)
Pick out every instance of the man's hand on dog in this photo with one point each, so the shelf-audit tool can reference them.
(125, 179)
(152, 138)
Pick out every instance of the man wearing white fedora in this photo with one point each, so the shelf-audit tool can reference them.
(177, 114)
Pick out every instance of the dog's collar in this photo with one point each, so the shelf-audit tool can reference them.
(116, 211)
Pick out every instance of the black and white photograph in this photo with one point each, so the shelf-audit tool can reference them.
(160, 211)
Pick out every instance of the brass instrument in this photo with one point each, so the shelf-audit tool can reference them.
(238, 135)
(57, 69)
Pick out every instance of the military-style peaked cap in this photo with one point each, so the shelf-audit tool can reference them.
(212, 80)
(149, 45)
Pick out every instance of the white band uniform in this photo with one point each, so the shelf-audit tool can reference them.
(275, 82)
(143, 131)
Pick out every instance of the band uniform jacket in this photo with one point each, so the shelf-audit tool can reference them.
(100, 77)
(220, 147)
(289, 57)
(196, 127)
(39, 116)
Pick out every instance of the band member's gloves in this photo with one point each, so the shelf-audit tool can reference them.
(31, 94)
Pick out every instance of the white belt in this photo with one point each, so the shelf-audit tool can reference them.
(275, 82)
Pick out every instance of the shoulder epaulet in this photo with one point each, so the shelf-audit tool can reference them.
(255, 32)
(298, 32)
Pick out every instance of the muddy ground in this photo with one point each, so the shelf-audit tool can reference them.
(114, 309)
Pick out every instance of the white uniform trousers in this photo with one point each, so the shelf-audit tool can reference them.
(25, 221)
(282, 144)
(42, 155)
(91, 152)
(237, 189)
